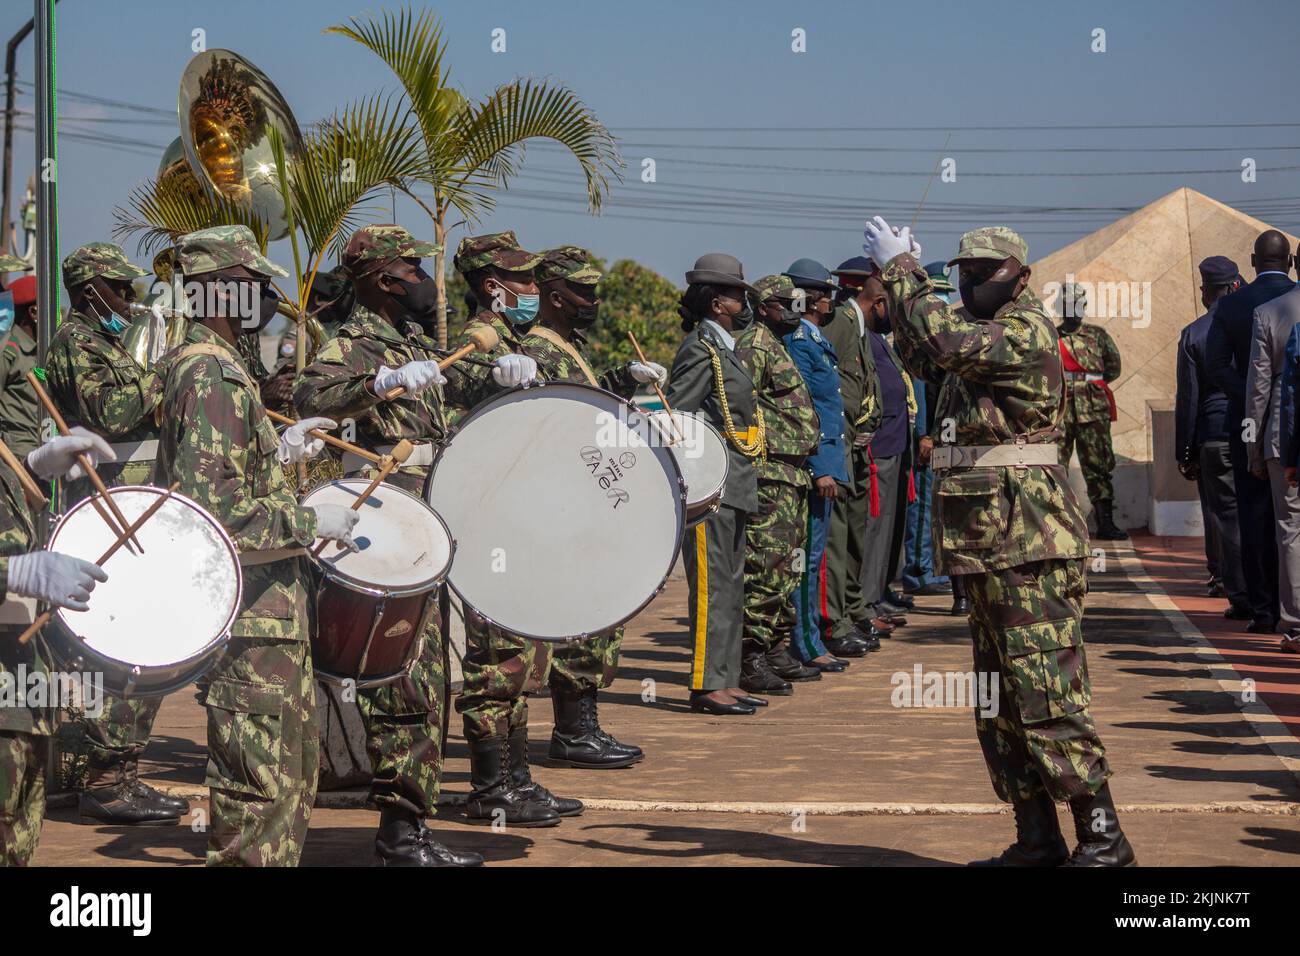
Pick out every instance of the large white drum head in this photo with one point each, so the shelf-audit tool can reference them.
(700, 452)
(166, 605)
(404, 545)
(567, 520)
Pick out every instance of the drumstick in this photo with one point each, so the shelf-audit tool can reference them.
(658, 391)
(36, 498)
(44, 617)
(84, 460)
(401, 451)
(328, 438)
(482, 339)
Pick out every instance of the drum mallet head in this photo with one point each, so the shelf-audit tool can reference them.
(485, 339)
(402, 451)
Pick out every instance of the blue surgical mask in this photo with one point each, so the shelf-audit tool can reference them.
(525, 309)
(7, 313)
(114, 326)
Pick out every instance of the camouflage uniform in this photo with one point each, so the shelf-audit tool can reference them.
(1086, 424)
(97, 384)
(1016, 533)
(403, 718)
(25, 730)
(775, 535)
(500, 668)
(20, 418)
(215, 439)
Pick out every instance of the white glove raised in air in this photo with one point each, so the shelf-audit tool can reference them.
(296, 444)
(57, 458)
(415, 377)
(648, 372)
(883, 244)
(511, 370)
(54, 578)
(335, 523)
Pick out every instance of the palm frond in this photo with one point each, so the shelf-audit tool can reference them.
(157, 213)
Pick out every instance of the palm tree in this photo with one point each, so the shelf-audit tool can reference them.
(470, 149)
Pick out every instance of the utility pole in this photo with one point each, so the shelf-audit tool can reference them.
(11, 79)
(47, 200)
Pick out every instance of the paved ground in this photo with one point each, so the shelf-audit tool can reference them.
(838, 774)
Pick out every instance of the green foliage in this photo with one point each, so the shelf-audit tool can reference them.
(636, 298)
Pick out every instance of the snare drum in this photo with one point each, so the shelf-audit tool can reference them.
(164, 614)
(702, 457)
(567, 520)
(372, 604)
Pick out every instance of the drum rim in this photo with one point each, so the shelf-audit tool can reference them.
(717, 492)
(209, 649)
(363, 587)
(680, 497)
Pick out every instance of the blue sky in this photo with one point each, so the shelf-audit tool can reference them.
(665, 76)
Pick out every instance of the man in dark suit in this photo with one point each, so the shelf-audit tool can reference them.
(1201, 442)
(1227, 353)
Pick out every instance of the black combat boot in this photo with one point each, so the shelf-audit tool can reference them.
(786, 667)
(494, 797)
(1101, 841)
(1038, 836)
(110, 799)
(404, 840)
(146, 792)
(521, 778)
(757, 677)
(1107, 530)
(577, 740)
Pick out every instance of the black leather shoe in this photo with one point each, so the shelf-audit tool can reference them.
(847, 646)
(832, 665)
(890, 612)
(521, 778)
(931, 588)
(1038, 836)
(757, 677)
(786, 667)
(494, 796)
(744, 698)
(146, 792)
(577, 740)
(1107, 530)
(960, 607)
(1239, 614)
(110, 799)
(1101, 841)
(872, 641)
(403, 840)
(904, 601)
(1261, 625)
(702, 703)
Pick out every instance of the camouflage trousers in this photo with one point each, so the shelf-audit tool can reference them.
(1026, 623)
(775, 555)
(592, 662)
(1096, 456)
(22, 795)
(263, 752)
(500, 671)
(120, 734)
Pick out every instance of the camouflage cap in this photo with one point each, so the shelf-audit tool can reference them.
(331, 284)
(97, 259)
(373, 247)
(567, 262)
(991, 242)
(775, 287)
(12, 264)
(500, 249)
(222, 247)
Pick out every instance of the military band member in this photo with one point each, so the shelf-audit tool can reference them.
(1008, 519)
(500, 668)
(96, 383)
(570, 305)
(20, 418)
(708, 378)
(217, 442)
(775, 534)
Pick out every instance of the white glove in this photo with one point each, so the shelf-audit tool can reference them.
(415, 377)
(916, 246)
(648, 372)
(296, 444)
(57, 458)
(882, 244)
(157, 333)
(54, 578)
(511, 370)
(335, 523)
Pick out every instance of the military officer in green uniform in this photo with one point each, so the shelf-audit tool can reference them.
(776, 543)
(1005, 517)
(500, 668)
(567, 281)
(20, 419)
(709, 379)
(97, 384)
(217, 442)
(1092, 362)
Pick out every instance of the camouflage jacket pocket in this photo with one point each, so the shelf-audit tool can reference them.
(244, 737)
(972, 511)
(262, 464)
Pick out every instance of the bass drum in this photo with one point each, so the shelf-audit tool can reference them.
(566, 507)
(164, 613)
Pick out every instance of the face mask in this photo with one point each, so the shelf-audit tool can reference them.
(1070, 324)
(420, 298)
(742, 318)
(983, 300)
(524, 310)
(7, 313)
(789, 317)
(266, 307)
(881, 323)
(114, 326)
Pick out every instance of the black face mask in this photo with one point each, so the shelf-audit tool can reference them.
(420, 298)
(266, 307)
(742, 318)
(983, 300)
(1070, 323)
(882, 324)
(579, 314)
